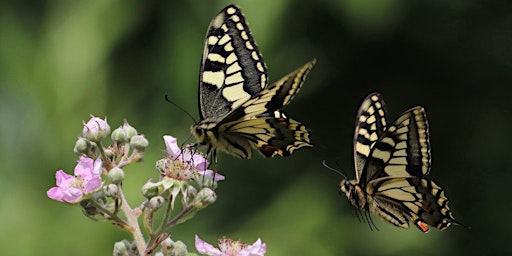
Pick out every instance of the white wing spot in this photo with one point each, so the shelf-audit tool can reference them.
(214, 78)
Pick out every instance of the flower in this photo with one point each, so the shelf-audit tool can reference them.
(183, 164)
(96, 129)
(71, 189)
(228, 247)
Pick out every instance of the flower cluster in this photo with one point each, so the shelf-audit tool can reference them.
(96, 186)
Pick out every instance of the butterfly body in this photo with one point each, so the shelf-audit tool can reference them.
(391, 164)
(238, 110)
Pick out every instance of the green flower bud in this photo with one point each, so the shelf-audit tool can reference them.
(82, 146)
(180, 249)
(151, 189)
(120, 249)
(168, 243)
(129, 130)
(189, 194)
(156, 202)
(109, 153)
(119, 135)
(116, 175)
(124, 248)
(110, 190)
(204, 197)
(96, 129)
(139, 142)
(88, 208)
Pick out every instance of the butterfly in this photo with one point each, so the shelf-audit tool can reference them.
(391, 164)
(238, 110)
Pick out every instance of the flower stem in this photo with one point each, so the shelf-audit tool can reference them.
(132, 219)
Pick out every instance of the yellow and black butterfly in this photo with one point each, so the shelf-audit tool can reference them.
(391, 162)
(238, 110)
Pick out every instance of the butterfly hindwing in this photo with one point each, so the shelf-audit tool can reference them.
(396, 159)
(238, 111)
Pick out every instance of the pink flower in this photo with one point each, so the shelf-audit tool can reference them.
(96, 129)
(228, 247)
(71, 189)
(186, 162)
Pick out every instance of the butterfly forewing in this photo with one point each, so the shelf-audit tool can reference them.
(403, 150)
(370, 125)
(232, 69)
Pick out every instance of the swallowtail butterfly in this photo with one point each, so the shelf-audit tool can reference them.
(238, 110)
(391, 162)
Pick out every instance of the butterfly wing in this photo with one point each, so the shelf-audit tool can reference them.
(232, 68)
(271, 135)
(395, 171)
(260, 123)
(402, 151)
(370, 125)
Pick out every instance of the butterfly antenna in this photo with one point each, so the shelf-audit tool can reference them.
(180, 108)
(324, 162)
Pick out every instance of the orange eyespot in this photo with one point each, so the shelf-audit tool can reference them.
(422, 226)
(268, 150)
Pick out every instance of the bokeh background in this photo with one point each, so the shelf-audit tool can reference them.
(61, 61)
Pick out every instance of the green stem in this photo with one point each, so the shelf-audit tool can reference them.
(111, 215)
(179, 216)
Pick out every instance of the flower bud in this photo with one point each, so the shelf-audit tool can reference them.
(180, 249)
(119, 135)
(204, 197)
(88, 208)
(156, 202)
(116, 175)
(139, 142)
(109, 153)
(129, 130)
(167, 243)
(189, 194)
(96, 129)
(82, 146)
(159, 254)
(120, 249)
(123, 248)
(110, 190)
(151, 189)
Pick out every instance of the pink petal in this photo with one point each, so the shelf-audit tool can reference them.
(171, 144)
(72, 195)
(62, 178)
(84, 167)
(55, 193)
(92, 185)
(210, 173)
(206, 248)
(256, 249)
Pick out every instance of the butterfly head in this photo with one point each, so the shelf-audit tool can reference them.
(354, 192)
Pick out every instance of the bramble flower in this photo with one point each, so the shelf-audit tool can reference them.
(96, 129)
(183, 164)
(228, 247)
(71, 189)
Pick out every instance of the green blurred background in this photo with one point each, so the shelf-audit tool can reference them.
(63, 60)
